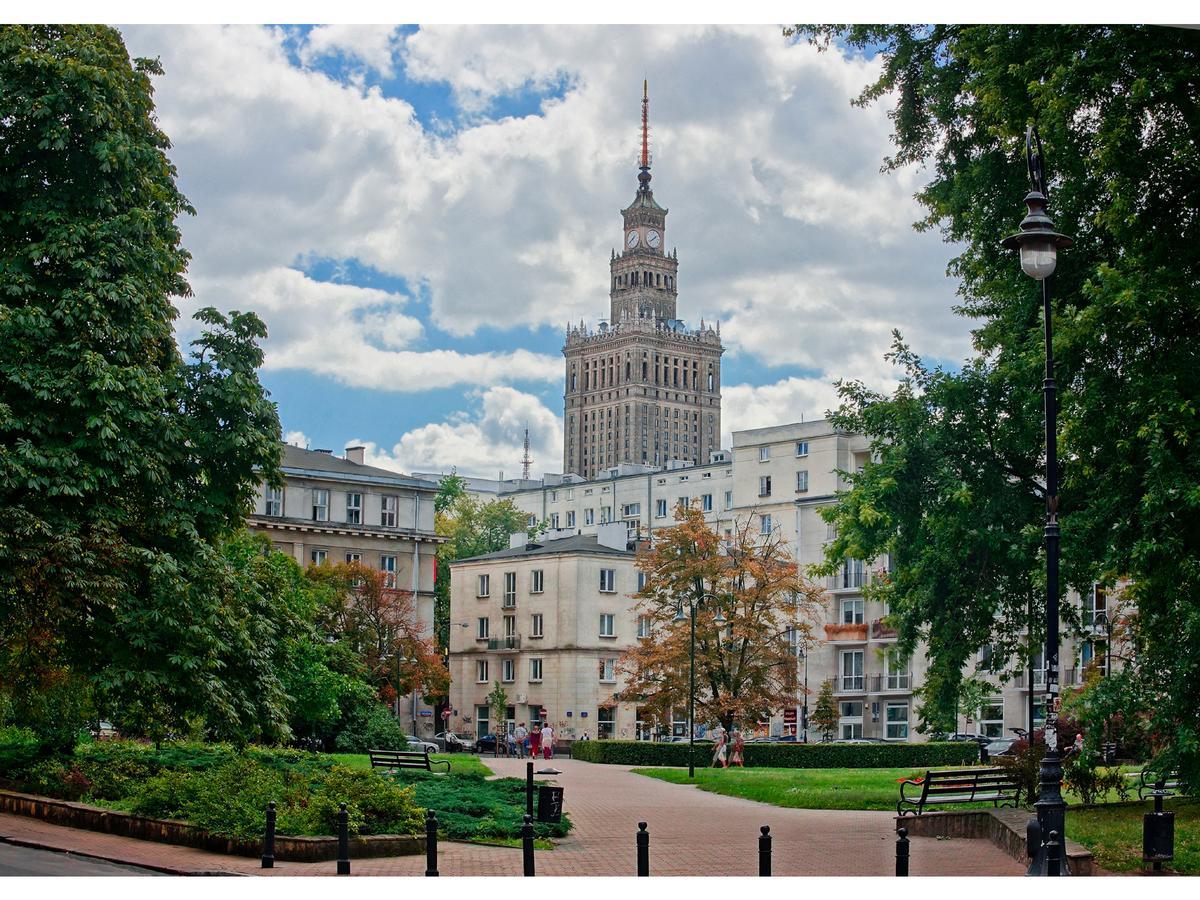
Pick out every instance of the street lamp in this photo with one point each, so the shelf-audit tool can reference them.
(1038, 244)
(695, 600)
(802, 655)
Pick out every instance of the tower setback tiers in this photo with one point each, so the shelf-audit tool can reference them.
(642, 388)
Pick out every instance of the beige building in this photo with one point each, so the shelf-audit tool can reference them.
(548, 620)
(777, 478)
(332, 509)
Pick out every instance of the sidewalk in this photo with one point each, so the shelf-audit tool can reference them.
(692, 832)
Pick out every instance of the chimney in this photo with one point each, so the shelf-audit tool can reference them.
(357, 455)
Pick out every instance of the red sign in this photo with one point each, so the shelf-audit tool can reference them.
(543, 713)
(445, 713)
(789, 715)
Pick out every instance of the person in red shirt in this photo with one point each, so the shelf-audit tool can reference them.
(535, 740)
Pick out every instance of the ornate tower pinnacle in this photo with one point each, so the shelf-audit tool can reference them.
(644, 176)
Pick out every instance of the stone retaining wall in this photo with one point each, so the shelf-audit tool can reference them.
(167, 831)
(1003, 827)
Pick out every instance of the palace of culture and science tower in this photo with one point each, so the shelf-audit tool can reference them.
(642, 388)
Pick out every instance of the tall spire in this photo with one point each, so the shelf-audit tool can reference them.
(526, 462)
(644, 177)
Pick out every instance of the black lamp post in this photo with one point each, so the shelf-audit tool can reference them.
(1038, 244)
(695, 600)
(801, 654)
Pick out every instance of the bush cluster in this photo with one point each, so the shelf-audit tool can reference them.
(470, 806)
(785, 756)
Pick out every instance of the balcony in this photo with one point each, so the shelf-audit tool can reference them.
(851, 684)
(898, 682)
(1069, 677)
(846, 633)
(882, 632)
(847, 580)
(504, 644)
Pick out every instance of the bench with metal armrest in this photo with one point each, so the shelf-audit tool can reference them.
(947, 787)
(392, 760)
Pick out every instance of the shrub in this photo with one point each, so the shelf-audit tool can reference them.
(787, 756)
(470, 806)
(20, 748)
(370, 726)
(1092, 782)
(374, 805)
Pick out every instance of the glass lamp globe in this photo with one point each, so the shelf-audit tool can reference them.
(1038, 259)
(679, 616)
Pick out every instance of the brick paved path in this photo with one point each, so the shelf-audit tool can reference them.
(692, 832)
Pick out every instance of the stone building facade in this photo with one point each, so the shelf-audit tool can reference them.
(641, 388)
(332, 509)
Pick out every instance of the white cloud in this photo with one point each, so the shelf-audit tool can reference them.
(373, 46)
(480, 443)
(759, 406)
(296, 438)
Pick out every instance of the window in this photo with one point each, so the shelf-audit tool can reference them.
(354, 509)
(554, 496)
(531, 522)
(631, 509)
(274, 497)
(320, 505)
(536, 581)
(684, 502)
(607, 625)
(589, 516)
(643, 626)
(570, 493)
(764, 524)
(764, 485)
(897, 668)
(896, 722)
(484, 588)
(484, 629)
(353, 557)
(605, 514)
(508, 670)
(660, 509)
(510, 590)
(608, 581)
(571, 518)
(387, 565)
(852, 670)
(729, 499)
(606, 722)
(387, 511)
(641, 581)
(992, 720)
(764, 453)
(802, 448)
(535, 670)
(535, 626)
(608, 670)
(853, 573)
(318, 557)
(481, 677)
(802, 481)
(850, 719)
(706, 502)
(792, 634)
(852, 612)
(554, 521)
(510, 626)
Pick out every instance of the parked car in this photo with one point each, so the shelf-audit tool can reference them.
(860, 741)
(422, 746)
(449, 742)
(1000, 747)
(487, 744)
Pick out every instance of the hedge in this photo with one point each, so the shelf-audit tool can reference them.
(785, 755)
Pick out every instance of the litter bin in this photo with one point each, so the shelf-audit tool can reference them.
(549, 805)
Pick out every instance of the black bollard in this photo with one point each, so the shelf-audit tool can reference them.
(343, 827)
(431, 827)
(527, 845)
(902, 852)
(1033, 838)
(1053, 855)
(268, 854)
(529, 788)
(764, 851)
(643, 850)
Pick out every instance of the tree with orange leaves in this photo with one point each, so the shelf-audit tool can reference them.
(745, 667)
(380, 623)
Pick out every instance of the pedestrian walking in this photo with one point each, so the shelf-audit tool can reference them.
(547, 741)
(535, 740)
(522, 737)
(739, 747)
(721, 750)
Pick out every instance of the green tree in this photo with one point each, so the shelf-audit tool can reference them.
(497, 701)
(122, 466)
(1118, 111)
(825, 714)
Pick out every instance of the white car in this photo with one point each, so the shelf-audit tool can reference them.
(422, 746)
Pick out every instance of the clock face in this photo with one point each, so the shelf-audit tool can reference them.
(652, 238)
(632, 239)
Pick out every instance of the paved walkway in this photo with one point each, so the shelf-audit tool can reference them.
(692, 832)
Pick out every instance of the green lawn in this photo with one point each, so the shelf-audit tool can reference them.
(1114, 834)
(806, 788)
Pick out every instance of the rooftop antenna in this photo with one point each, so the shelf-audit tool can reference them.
(526, 462)
(644, 163)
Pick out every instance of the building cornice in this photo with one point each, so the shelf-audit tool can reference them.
(272, 523)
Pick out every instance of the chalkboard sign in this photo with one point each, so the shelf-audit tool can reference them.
(550, 800)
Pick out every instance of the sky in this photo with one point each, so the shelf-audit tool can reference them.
(418, 212)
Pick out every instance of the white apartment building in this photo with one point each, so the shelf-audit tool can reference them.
(333, 509)
(778, 478)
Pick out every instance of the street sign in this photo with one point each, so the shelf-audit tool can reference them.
(445, 713)
(542, 712)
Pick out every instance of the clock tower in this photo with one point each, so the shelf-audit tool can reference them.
(642, 388)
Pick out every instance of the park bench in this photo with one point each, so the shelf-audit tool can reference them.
(958, 786)
(1148, 782)
(392, 760)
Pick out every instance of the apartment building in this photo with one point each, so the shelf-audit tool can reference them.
(332, 509)
(547, 619)
(777, 478)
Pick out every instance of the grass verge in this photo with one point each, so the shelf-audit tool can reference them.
(1114, 834)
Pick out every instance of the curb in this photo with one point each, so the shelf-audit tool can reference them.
(165, 870)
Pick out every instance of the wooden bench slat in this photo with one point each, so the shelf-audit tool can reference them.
(960, 786)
